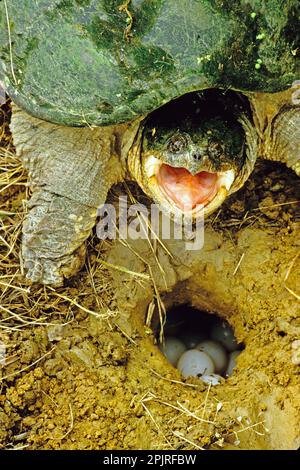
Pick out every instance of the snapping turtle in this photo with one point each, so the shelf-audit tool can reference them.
(181, 96)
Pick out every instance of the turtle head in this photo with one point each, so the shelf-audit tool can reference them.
(194, 154)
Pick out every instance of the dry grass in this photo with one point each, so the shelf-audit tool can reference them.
(289, 271)
(187, 427)
(124, 7)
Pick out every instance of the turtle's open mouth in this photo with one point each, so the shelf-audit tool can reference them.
(186, 192)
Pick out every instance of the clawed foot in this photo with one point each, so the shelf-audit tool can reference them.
(52, 271)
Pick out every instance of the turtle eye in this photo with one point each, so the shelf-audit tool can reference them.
(177, 143)
(215, 150)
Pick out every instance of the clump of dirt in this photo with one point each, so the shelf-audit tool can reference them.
(80, 367)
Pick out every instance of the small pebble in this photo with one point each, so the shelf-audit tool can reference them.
(213, 379)
(173, 348)
(194, 363)
(216, 352)
(232, 362)
(296, 352)
(224, 334)
(55, 332)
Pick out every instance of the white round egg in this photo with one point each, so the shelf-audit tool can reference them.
(224, 334)
(217, 353)
(173, 348)
(232, 362)
(212, 379)
(194, 363)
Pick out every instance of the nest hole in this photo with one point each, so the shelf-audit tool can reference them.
(198, 343)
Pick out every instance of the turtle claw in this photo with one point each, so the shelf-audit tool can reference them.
(52, 271)
(43, 271)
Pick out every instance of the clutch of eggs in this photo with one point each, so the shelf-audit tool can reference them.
(211, 358)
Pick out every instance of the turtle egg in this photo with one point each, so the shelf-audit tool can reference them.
(224, 334)
(212, 379)
(216, 352)
(173, 348)
(232, 362)
(195, 363)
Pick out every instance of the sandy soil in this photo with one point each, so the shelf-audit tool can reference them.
(82, 368)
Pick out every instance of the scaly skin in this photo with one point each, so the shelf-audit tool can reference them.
(277, 119)
(70, 172)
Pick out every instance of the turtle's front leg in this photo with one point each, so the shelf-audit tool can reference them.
(70, 171)
(54, 233)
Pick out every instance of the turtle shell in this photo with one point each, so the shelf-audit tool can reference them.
(101, 62)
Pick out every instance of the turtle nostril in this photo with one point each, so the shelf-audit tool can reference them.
(197, 156)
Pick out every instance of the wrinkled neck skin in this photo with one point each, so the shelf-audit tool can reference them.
(131, 153)
(188, 176)
(250, 155)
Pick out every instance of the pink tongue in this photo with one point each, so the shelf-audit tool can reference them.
(186, 190)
